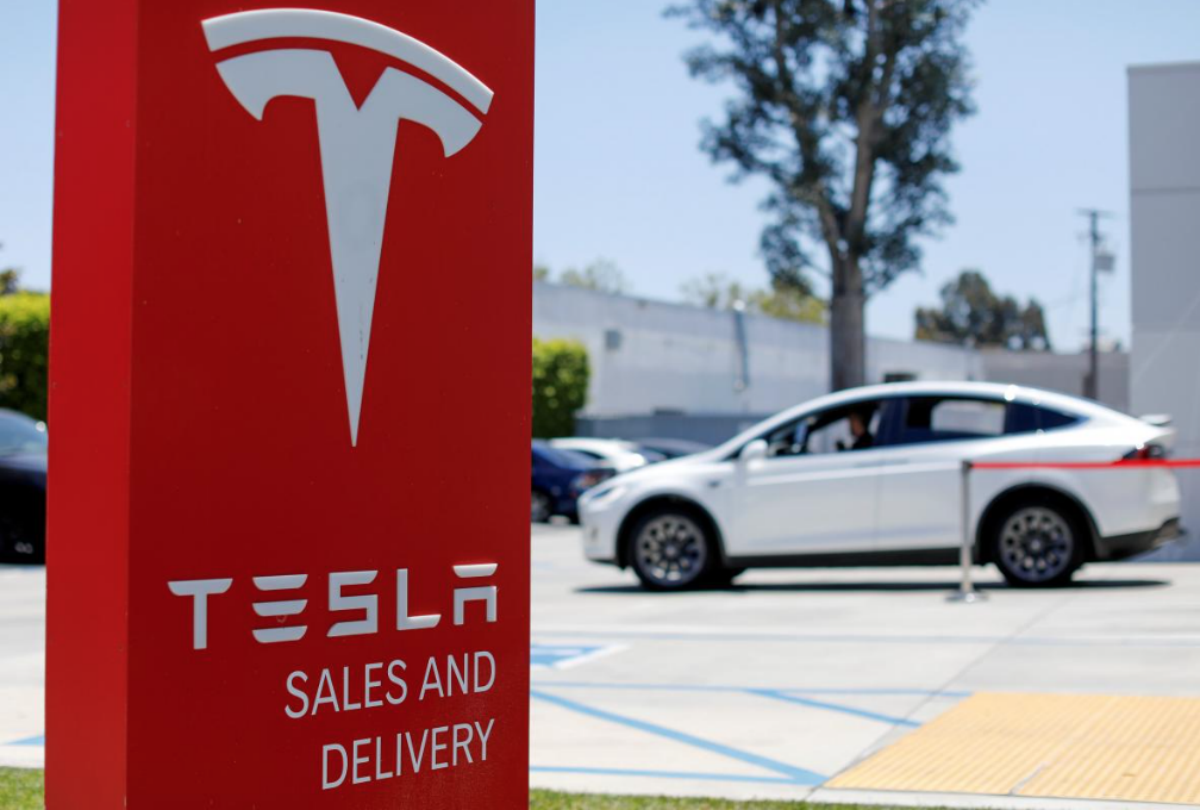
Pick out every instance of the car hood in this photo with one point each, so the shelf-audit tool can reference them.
(649, 472)
(25, 462)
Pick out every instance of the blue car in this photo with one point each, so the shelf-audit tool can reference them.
(558, 478)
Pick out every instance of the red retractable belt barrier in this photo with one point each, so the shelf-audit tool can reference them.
(966, 591)
(1085, 465)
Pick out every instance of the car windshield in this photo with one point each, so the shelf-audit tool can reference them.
(19, 434)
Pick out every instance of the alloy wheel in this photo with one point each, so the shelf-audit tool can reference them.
(671, 551)
(1036, 544)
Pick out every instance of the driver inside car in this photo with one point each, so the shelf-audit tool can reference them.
(860, 431)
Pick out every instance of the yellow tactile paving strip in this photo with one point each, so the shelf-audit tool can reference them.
(1144, 749)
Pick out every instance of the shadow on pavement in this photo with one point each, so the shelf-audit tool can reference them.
(879, 587)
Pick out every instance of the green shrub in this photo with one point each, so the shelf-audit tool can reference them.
(560, 384)
(24, 352)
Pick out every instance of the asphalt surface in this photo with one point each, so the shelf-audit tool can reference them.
(793, 676)
(22, 665)
(770, 688)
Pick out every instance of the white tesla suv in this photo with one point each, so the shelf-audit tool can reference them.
(873, 476)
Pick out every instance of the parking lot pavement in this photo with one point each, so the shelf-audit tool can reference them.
(22, 665)
(776, 686)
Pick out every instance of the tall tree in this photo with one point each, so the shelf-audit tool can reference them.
(845, 106)
(972, 314)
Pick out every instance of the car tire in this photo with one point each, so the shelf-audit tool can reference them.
(671, 549)
(1037, 543)
(19, 541)
(541, 507)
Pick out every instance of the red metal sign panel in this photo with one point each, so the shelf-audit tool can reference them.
(288, 558)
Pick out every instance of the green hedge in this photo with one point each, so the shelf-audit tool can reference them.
(560, 384)
(24, 352)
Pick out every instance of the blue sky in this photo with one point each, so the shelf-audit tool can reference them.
(619, 174)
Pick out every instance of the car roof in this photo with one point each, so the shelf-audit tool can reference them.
(990, 390)
(987, 390)
(618, 445)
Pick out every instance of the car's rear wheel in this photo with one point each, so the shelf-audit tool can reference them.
(1037, 544)
(671, 550)
(540, 508)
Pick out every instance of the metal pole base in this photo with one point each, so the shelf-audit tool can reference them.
(967, 596)
(966, 592)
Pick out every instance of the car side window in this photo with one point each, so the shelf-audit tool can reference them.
(830, 437)
(940, 419)
(851, 428)
(787, 440)
(1026, 418)
(848, 427)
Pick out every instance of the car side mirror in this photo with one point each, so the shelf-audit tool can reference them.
(753, 451)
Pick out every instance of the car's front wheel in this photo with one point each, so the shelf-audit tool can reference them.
(671, 550)
(1037, 544)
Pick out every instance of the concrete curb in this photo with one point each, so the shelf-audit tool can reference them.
(973, 801)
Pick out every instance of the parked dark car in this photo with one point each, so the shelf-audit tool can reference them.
(672, 448)
(22, 488)
(559, 476)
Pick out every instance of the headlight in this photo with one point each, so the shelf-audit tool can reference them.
(603, 493)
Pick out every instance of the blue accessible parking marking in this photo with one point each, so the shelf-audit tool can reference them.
(826, 699)
(783, 772)
(565, 656)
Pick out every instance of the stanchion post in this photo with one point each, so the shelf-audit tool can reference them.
(966, 590)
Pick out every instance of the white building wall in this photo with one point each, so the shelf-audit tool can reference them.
(652, 356)
(1061, 372)
(1164, 159)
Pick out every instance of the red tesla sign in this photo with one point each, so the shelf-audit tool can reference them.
(288, 559)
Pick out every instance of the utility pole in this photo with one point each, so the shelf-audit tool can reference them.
(1100, 261)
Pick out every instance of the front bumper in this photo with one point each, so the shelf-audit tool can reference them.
(601, 526)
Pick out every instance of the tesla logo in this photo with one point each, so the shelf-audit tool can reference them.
(365, 606)
(357, 142)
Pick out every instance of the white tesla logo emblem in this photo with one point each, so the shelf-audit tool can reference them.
(357, 143)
